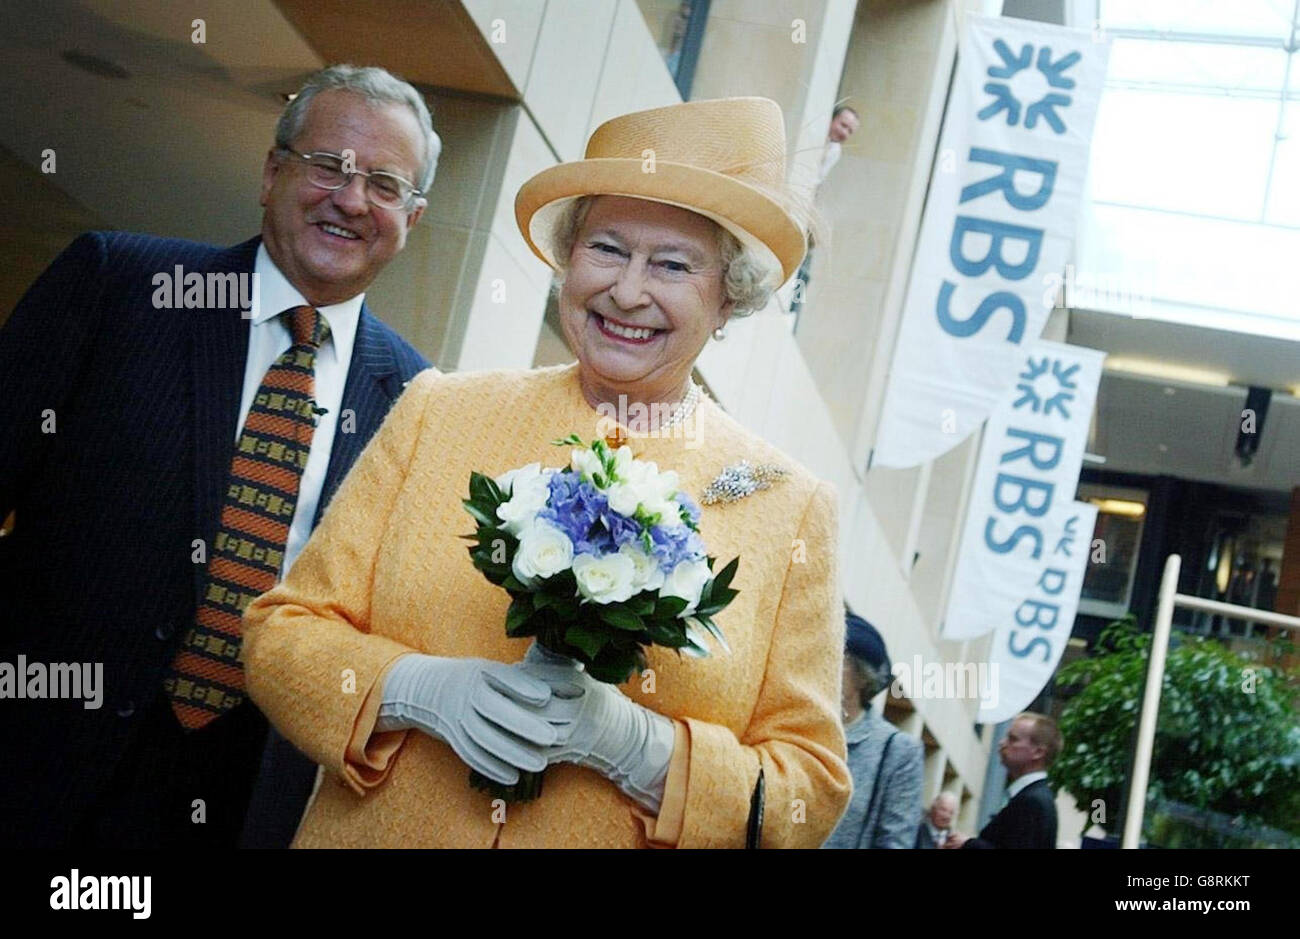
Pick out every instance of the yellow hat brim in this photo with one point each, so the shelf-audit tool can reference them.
(757, 220)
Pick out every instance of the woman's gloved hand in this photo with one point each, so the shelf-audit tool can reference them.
(601, 728)
(486, 711)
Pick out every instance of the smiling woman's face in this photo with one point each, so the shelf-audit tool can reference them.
(642, 293)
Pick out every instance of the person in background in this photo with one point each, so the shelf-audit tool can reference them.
(885, 762)
(1028, 820)
(934, 828)
(844, 123)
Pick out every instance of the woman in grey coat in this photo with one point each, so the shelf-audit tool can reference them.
(886, 763)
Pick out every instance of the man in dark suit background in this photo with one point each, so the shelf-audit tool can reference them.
(164, 465)
(1028, 820)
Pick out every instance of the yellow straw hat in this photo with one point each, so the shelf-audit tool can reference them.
(723, 158)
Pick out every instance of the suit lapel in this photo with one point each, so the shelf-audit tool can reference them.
(373, 385)
(219, 351)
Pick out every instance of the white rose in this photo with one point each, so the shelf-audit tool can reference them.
(604, 580)
(647, 574)
(687, 581)
(531, 488)
(543, 551)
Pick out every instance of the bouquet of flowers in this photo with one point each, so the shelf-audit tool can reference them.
(600, 558)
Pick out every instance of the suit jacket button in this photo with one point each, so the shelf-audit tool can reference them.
(164, 631)
(126, 710)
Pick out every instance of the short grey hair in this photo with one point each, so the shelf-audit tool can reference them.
(746, 281)
(872, 679)
(377, 86)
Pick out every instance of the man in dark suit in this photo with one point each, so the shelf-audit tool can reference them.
(168, 440)
(1028, 820)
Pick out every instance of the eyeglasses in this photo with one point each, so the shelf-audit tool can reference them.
(325, 171)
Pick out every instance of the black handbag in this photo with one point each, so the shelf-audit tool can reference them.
(754, 830)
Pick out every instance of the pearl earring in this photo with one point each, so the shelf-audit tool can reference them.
(720, 333)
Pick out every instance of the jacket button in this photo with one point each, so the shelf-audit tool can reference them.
(127, 709)
(164, 631)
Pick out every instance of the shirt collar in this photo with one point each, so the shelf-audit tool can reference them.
(274, 295)
(1015, 788)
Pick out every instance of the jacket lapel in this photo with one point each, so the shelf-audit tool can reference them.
(219, 351)
(373, 385)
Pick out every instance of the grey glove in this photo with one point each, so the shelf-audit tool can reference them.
(486, 711)
(600, 727)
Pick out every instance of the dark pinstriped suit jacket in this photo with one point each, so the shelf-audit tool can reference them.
(98, 568)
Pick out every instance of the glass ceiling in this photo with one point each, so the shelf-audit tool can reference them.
(1194, 213)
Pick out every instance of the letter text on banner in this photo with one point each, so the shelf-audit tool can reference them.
(1000, 217)
(1027, 648)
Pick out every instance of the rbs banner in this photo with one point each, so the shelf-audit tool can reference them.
(999, 220)
(1026, 542)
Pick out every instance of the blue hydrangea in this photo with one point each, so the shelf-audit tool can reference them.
(575, 508)
(671, 546)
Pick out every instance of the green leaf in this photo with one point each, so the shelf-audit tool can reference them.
(620, 617)
(714, 631)
(483, 490)
(669, 607)
(643, 604)
(480, 515)
(587, 638)
(723, 578)
(518, 615)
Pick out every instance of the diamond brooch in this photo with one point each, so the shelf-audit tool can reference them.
(742, 479)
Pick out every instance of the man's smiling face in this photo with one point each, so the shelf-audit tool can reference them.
(331, 245)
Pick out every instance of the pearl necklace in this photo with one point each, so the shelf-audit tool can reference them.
(685, 409)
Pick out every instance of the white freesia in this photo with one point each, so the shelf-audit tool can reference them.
(531, 488)
(654, 492)
(648, 575)
(604, 580)
(687, 581)
(543, 551)
(623, 460)
(586, 464)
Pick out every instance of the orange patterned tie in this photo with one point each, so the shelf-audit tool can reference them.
(207, 677)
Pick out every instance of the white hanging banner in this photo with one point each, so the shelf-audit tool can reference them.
(1027, 648)
(1023, 493)
(997, 231)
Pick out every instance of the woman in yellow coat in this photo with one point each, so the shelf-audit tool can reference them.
(383, 655)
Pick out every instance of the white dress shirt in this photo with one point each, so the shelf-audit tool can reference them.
(1014, 789)
(268, 338)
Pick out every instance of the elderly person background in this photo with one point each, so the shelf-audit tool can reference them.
(934, 828)
(383, 655)
(886, 763)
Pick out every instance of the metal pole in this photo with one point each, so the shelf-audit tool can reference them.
(1137, 794)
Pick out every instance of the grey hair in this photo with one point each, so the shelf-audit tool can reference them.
(746, 281)
(377, 86)
(872, 679)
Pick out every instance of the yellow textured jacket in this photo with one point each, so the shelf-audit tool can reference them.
(385, 574)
